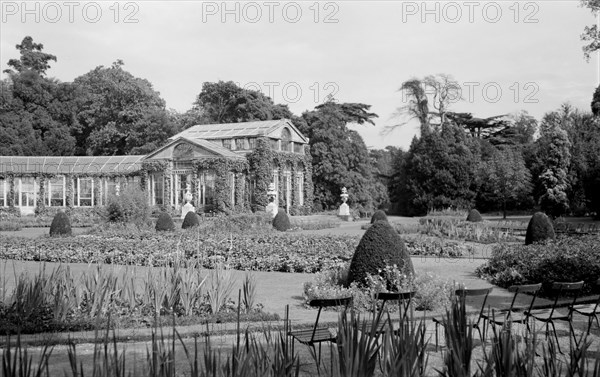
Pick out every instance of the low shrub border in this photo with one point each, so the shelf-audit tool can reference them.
(565, 259)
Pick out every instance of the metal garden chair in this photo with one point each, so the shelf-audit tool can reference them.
(549, 315)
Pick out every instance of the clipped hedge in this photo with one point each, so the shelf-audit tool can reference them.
(164, 223)
(379, 215)
(474, 216)
(191, 220)
(281, 222)
(539, 229)
(565, 259)
(379, 247)
(61, 225)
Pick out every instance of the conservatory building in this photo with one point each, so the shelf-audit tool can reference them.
(221, 167)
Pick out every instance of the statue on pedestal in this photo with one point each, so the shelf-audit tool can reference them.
(344, 212)
(187, 207)
(271, 208)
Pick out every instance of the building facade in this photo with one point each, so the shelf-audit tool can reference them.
(224, 167)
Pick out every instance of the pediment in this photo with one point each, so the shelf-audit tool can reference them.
(182, 150)
(296, 135)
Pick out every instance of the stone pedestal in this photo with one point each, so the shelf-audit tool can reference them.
(272, 209)
(344, 212)
(187, 207)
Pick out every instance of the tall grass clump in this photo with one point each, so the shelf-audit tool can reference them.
(220, 284)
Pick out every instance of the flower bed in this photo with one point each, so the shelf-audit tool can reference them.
(264, 250)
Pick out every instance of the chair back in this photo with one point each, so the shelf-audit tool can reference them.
(326, 303)
(392, 296)
(465, 292)
(525, 288)
(329, 302)
(403, 298)
(561, 288)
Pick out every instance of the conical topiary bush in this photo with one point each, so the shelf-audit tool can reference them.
(539, 229)
(281, 222)
(191, 220)
(379, 246)
(164, 223)
(61, 225)
(474, 216)
(379, 215)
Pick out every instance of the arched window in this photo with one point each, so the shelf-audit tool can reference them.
(286, 140)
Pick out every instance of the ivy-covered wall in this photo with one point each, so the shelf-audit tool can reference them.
(263, 160)
(223, 167)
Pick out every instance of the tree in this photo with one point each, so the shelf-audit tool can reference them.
(596, 102)
(439, 171)
(506, 177)
(37, 115)
(225, 102)
(442, 89)
(340, 156)
(397, 185)
(583, 130)
(32, 58)
(382, 169)
(118, 113)
(554, 160)
(591, 34)
(445, 90)
(417, 106)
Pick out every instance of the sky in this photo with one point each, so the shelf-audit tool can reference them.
(506, 56)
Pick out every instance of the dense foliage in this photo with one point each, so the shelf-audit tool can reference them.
(564, 259)
(379, 246)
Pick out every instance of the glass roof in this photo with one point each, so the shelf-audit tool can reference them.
(66, 165)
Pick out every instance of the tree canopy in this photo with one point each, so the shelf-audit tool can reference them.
(118, 113)
(226, 102)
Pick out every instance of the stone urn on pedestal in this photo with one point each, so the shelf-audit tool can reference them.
(187, 207)
(344, 212)
(271, 208)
